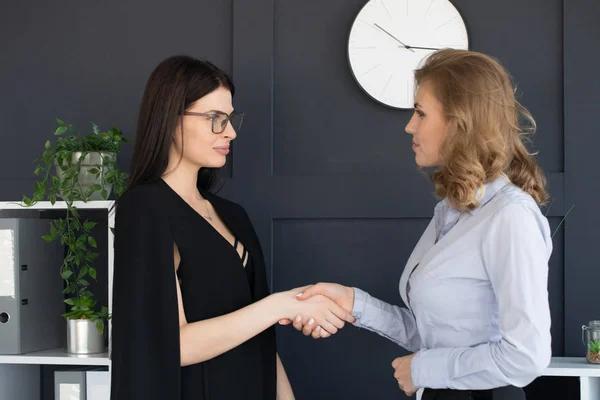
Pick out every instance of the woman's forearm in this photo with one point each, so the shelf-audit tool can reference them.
(204, 340)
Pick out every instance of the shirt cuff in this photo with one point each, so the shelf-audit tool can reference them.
(358, 309)
(429, 369)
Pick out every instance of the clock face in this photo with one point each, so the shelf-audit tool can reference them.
(390, 38)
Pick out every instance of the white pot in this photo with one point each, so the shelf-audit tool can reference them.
(92, 160)
(83, 337)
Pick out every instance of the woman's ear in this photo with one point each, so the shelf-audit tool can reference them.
(178, 135)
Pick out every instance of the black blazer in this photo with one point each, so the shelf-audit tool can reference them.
(145, 354)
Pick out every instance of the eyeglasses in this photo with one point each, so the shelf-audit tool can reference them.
(220, 119)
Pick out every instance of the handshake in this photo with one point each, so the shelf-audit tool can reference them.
(318, 310)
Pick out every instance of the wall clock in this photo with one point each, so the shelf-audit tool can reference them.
(390, 38)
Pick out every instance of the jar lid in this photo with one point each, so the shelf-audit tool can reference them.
(595, 324)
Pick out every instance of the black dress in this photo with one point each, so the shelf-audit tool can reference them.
(145, 355)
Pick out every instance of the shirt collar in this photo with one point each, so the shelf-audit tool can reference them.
(489, 190)
(486, 193)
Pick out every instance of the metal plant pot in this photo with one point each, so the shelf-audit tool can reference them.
(86, 179)
(83, 337)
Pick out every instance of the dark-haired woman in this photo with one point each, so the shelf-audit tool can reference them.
(192, 312)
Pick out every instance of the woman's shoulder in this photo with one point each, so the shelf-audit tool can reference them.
(235, 210)
(226, 204)
(511, 194)
(145, 197)
(516, 206)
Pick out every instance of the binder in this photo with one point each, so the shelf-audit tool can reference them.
(31, 298)
(83, 383)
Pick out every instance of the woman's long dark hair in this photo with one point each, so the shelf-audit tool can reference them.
(173, 86)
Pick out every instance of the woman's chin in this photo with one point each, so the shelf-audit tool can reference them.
(215, 163)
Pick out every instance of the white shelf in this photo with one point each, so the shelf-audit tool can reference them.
(60, 356)
(572, 366)
(56, 357)
(46, 205)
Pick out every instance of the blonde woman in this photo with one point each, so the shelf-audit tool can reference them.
(477, 317)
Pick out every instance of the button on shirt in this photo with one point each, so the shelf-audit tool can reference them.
(476, 286)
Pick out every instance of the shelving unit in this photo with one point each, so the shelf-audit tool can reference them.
(589, 374)
(21, 372)
(56, 357)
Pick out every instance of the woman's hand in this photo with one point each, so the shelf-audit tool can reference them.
(403, 375)
(317, 311)
(343, 296)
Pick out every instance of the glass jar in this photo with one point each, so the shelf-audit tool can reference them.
(590, 335)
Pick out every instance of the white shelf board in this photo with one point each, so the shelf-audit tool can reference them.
(46, 205)
(56, 357)
(571, 366)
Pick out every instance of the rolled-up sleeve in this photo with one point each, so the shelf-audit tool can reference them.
(515, 250)
(392, 322)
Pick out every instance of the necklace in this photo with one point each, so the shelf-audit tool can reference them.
(207, 216)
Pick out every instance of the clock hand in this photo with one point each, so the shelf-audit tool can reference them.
(405, 46)
(422, 48)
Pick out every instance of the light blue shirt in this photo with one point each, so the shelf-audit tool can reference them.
(478, 314)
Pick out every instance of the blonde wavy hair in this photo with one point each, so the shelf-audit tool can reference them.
(485, 137)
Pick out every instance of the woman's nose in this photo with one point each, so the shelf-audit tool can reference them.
(410, 127)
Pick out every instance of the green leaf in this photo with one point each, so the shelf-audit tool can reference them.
(95, 188)
(69, 241)
(104, 194)
(83, 282)
(96, 129)
(69, 289)
(100, 326)
(87, 303)
(89, 225)
(112, 173)
(71, 301)
(48, 144)
(60, 122)
(92, 241)
(81, 239)
(66, 274)
(48, 238)
(77, 226)
(61, 130)
(75, 314)
(27, 201)
(83, 271)
(92, 272)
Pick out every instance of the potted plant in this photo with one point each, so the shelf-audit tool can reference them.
(593, 353)
(79, 168)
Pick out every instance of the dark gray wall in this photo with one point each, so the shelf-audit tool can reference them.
(326, 174)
